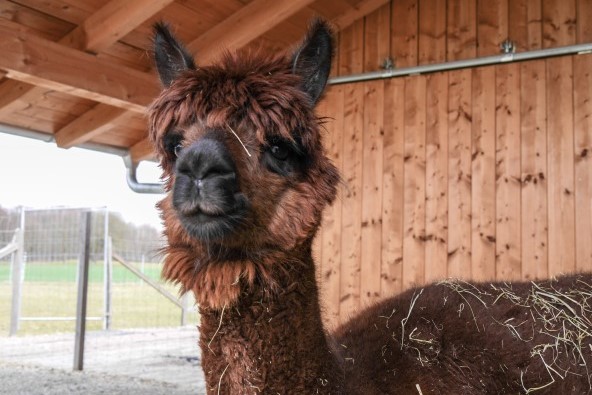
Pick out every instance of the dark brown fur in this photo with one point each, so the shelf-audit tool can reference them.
(261, 327)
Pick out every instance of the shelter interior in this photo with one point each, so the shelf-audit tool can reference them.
(479, 173)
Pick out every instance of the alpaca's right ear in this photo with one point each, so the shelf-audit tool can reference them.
(312, 61)
(170, 55)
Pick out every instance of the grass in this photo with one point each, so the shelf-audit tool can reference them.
(66, 272)
(50, 290)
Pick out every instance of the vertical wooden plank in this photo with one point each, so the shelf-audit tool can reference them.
(584, 21)
(507, 172)
(534, 24)
(351, 49)
(404, 26)
(392, 187)
(459, 173)
(331, 231)
(483, 174)
(583, 160)
(518, 23)
(372, 191)
(560, 143)
(436, 255)
(432, 31)
(492, 26)
(461, 31)
(377, 38)
(534, 170)
(352, 199)
(414, 182)
(559, 23)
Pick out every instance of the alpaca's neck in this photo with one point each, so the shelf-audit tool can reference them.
(271, 344)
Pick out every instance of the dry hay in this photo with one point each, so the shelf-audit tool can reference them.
(557, 326)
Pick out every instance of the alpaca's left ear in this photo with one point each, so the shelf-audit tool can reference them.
(312, 61)
(170, 55)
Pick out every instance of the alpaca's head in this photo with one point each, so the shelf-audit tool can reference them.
(240, 148)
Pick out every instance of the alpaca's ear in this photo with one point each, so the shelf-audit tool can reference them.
(170, 55)
(312, 61)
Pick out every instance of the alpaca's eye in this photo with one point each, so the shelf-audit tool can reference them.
(279, 151)
(177, 150)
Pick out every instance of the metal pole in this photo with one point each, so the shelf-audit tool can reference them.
(18, 276)
(463, 64)
(106, 274)
(82, 292)
(109, 280)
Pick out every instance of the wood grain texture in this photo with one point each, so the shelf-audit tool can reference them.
(372, 172)
(392, 187)
(460, 116)
(560, 165)
(583, 160)
(377, 39)
(436, 195)
(432, 32)
(414, 182)
(492, 26)
(461, 29)
(534, 218)
(404, 32)
(507, 173)
(559, 19)
(351, 220)
(483, 175)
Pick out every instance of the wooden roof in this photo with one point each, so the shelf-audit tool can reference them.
(80, 70)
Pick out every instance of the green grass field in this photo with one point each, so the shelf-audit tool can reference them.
(50, 290)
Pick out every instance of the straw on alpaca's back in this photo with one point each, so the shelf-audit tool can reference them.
(474, 338)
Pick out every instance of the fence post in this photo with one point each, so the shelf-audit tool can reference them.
(82, 291)
(107, 274)
(108, 284)
(18, 274)
(185, 309)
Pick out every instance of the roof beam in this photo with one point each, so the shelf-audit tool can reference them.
(142, 151)
(34, 60)
(111, 22)
(99, 31)
(97, 120)
(242, 27)
(358, 11)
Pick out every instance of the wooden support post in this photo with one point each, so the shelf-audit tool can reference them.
(82, 291)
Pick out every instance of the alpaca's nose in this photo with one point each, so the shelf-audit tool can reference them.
(207, 158)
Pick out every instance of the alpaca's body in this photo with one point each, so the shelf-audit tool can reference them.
(247, 180)
(467, 338)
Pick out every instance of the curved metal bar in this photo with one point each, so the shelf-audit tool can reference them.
(134, 184)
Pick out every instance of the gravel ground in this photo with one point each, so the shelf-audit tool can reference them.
(35, 380)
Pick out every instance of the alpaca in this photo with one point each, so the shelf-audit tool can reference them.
(247, 180)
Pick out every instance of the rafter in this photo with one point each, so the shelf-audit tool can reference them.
(142, 151)
(34, 60)
(358, 11)
(100, 30)
(90, 124)
(111, 22)
(242, 27)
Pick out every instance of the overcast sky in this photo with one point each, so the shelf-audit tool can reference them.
(38, 174)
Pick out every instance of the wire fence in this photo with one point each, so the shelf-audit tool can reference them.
(132, 321)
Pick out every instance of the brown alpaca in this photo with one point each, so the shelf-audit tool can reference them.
(247, 181)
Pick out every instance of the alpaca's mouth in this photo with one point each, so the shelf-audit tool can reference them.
(214, 225)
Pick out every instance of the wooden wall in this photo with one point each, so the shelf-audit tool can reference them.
(481, 173)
